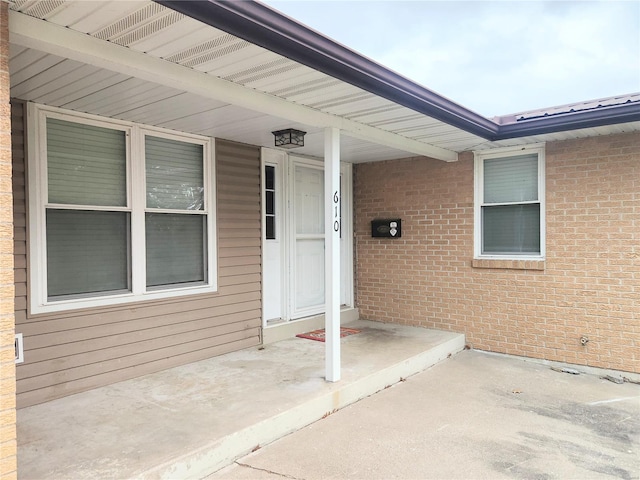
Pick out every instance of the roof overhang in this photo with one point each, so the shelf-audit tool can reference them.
(261, 25)
(240, 70)
(613, 115)
(48, 37)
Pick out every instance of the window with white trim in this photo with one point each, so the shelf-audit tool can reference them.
(509, 203)
(119, 212)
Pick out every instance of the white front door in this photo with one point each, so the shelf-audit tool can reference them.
(293, 237)
(308, 240)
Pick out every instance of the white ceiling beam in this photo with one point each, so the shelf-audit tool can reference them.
(65, 42)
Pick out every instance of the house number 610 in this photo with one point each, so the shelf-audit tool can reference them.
(336, 223)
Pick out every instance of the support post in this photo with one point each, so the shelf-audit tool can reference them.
(332, 252)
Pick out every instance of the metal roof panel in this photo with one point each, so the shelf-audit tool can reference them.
(571, 108)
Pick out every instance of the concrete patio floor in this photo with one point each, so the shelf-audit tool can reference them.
(190, 421)
(473, 416)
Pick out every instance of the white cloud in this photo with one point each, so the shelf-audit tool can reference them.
(492, 57)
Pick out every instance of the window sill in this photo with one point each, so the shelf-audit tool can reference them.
(508, 264)
(125, 299)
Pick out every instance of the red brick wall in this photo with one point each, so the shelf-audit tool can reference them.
(7, 319)
(590, 284)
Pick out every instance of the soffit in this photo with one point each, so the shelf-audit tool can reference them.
(162, 33)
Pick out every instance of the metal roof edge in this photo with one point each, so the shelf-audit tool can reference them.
(571, 121)
(261, 25)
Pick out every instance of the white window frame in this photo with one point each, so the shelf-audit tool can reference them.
(136, 205)
(479, 158)
(277, 193)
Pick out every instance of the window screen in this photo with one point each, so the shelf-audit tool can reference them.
(175, 248)
(87, 252)
(511, 229)
(510, 213)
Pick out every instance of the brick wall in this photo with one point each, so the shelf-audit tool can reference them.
(7, 323)
(589, 284)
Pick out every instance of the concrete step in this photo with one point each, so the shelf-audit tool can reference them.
(223, 451)
(189, 421)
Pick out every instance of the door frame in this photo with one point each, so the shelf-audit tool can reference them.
(277, 159)
(285, 175)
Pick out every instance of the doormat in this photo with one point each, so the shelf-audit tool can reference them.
(319, 335)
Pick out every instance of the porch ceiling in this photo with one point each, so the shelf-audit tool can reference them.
(140, 61)
(68, 68)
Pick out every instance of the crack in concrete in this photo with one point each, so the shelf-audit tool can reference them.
(284, 475)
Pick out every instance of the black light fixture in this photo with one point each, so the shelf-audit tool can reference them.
(289, 138)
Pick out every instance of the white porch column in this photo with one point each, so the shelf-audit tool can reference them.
(332, 252)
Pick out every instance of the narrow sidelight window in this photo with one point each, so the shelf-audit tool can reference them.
(270, 201)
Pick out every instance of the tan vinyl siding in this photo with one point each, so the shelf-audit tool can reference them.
(18, 142)
(69, 352)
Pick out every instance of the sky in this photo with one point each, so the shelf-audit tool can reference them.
(492, 57)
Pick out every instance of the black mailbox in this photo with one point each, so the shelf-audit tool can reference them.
(388, 228)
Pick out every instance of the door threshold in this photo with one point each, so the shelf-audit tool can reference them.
(283, 330)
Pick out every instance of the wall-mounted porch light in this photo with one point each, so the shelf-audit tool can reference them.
(289, 138)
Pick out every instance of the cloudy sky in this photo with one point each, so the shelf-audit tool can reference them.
(493, 57)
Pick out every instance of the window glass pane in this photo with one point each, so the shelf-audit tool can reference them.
(86, 164)
(511, 179)
(270, 206)
(174, 174)
(270, 202)
(87, 252)
(175, 248)
(271, 227)
(511, 229)
(269, 177)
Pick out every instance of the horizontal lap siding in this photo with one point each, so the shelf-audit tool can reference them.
(18, 143)
(70, 352)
